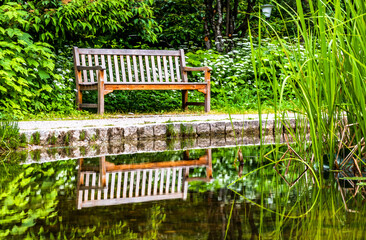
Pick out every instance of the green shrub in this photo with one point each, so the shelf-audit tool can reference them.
(233, 81)
(28, 84)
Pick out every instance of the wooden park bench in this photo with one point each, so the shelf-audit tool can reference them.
(106, 70)
(110, 184)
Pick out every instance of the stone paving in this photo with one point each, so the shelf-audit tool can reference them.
(145, 127)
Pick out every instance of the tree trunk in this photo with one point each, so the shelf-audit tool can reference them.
(217, 27)
(207, 35)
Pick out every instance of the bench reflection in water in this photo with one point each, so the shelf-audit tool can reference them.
(110, 184)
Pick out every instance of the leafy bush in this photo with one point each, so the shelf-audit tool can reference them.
(233, 82)
(27, 81)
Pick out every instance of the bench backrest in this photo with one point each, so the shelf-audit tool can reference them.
(131, 65)
(141, 185)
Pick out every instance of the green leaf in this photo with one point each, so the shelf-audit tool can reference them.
(43, 75)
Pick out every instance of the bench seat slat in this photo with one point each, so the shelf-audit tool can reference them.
(123, 68)
(149, 84)
(177, 86)
(90, 63)
(147, 68)
(153, 68)
(102, 59)
(135, 68)
(128, 59)
(96, 62)
(177, 68)
(158, 58)
(116, 68)
(85, 76)
(110, 68)
(171, 69)
(165, 69)
(141, 63)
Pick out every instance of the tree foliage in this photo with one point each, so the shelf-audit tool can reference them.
(92, 23)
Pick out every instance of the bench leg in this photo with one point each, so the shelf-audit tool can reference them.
(207, 101)
(101, 93)
(100, 102)
(184, 100)
(79, 99)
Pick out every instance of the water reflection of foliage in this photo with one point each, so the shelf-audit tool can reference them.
(30, 197)
(155, 219)
(29, 201)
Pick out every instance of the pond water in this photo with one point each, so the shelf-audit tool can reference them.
(218, 193)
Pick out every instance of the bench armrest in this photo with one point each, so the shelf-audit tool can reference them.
(80, 68)
(207, 71)
(190, 69)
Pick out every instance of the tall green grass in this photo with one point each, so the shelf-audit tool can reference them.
(329, 80)
(9, 136)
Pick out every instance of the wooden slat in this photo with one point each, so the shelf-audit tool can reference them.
(156, 180)
(111, 202)
(150, 182)
(96, 63)
(153, 68)
(86, 192)
(165, 64)
(132, 178)
(196, 103)
(173, 179)
(110, 68)
(123, 68)
(89, 105)
(125, 180)
(127, 52)
(179, 187)
(99, 193)
(135, 69)
(91, 72)
(180, 86)
(158, 58)
(113, 179)
(167, 186)
(185, 190)
(119, 182)
(142, 74)
(171, 69)
(177, 69)
(93, 183)
(116, 68)
(182, 65)
(147, 68)
(102, 59)
(129, 68)
(158, 165)
(105, 191)
(137, 188)
(80, 199)
(161, 181)
(143, 188)
(85, 76)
